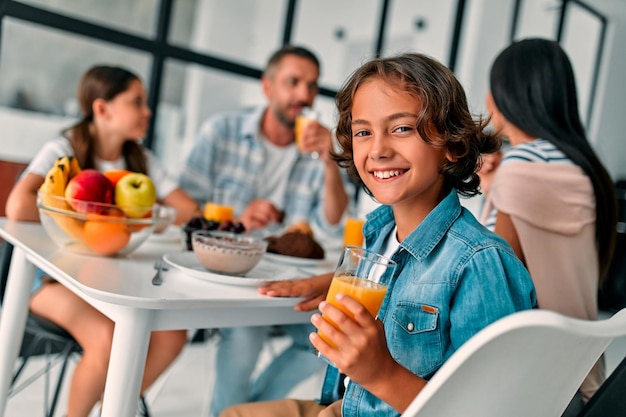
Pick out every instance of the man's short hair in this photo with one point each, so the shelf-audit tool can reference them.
(287, 50)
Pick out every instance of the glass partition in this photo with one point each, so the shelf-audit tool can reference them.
(420, 26)
(342, 39)
(243, 31)
(136, 16)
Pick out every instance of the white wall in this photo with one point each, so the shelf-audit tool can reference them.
(25, 132)
(608, 127)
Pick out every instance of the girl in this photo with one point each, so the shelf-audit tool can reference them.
(406, 135)
(550, 196)
(113, 101)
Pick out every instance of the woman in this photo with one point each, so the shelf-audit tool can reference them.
(550, 196)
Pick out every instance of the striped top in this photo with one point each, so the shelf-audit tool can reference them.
(538, 150)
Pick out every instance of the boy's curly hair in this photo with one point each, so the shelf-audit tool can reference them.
(443, 122)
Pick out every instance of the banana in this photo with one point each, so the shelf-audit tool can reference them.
(52, 193)
(74, 168)
(64, 169)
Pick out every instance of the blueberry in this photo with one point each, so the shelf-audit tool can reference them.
(225, 226)
(211, 225)
(238, 227)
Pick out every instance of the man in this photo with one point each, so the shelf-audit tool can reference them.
(252, 153)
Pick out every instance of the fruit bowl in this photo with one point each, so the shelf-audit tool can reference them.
(93, 228)
(227, 252)
(165, 217)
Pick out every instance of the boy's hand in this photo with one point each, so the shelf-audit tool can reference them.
(313, 289)
(361, 341)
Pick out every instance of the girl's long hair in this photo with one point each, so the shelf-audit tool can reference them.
(102, 82)
(533, 86)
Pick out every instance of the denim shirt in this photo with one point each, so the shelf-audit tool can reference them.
(454, 277)
(228, 153)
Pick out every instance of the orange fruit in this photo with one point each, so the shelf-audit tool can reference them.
(106, 237)
(114, 175)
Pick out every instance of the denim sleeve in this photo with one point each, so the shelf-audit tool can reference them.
(493, 283)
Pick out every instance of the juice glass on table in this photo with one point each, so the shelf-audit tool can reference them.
(359, 276)
(307, 116)
(219, 209)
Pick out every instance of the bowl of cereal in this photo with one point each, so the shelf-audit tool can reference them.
(227, 252)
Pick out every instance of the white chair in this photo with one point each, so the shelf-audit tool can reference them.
(529, 364)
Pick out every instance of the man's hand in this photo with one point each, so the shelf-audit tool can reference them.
(259, 214)
(317, 138)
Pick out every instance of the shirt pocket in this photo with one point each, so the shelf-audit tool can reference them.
(416, 337)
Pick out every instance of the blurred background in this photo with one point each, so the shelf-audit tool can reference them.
(198, 57)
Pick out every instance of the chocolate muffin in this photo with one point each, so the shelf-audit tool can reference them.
(295, 244)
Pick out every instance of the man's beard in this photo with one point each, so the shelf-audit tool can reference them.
(282, 117)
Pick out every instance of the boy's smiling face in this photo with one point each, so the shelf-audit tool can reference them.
(395, 164)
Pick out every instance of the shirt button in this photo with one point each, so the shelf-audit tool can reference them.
(410, 327)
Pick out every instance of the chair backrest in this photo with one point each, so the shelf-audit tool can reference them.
(9, 172)
(527, 364)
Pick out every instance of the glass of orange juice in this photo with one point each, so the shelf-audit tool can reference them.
(361, 275)
(353, 232)
(305, 117)
(219, 208)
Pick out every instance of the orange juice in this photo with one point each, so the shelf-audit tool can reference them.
(307, 116)
(301, 123)
(218, 212)
(368, 293)
(353, 232)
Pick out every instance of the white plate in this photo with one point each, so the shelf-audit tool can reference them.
(293, 260)
(263, 272)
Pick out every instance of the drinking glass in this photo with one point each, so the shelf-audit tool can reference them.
(220, 207)
(307, 116)
(358, 275)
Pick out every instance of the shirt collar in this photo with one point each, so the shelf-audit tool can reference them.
(421, 241)
(251, 126)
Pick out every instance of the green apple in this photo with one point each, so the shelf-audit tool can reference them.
(135, 194)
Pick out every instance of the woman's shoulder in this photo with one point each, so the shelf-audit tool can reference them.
(538, 150)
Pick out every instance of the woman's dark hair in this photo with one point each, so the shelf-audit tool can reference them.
(533, 86)
(443, 122)
(102, 82)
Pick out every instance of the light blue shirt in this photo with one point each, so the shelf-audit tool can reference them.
(228, 153)
(454, 277)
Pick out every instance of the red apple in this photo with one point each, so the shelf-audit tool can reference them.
(135, 194)
(89, 185)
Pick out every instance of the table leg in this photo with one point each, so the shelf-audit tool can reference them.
(13, 318)
(126, 365)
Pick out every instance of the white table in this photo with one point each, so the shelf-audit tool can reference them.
(121, 289)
